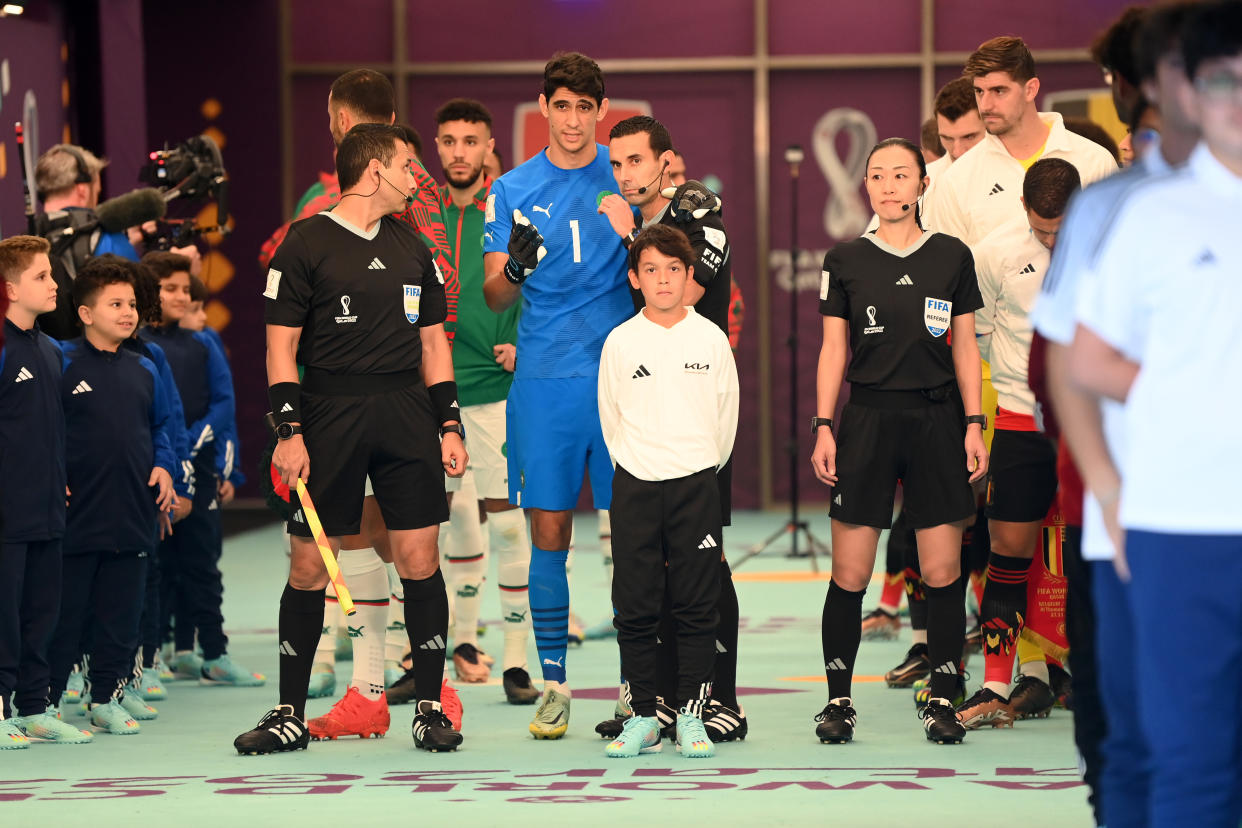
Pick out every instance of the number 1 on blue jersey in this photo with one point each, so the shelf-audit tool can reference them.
(573, 228)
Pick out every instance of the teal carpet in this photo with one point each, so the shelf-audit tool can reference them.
(182, 770)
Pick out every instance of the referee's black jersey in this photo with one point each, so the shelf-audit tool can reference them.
(899, 305)
(713, 265)
(359, 299)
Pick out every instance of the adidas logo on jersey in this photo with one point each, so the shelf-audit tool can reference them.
(1030, 268)
(24, 374)
(82, 388)
(835, 664)
(996, 188)
(436, 643)
(641, 372)
(905, 280)
(376, 264)
(708, 543)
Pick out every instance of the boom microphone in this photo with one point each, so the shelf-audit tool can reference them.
(131, 210)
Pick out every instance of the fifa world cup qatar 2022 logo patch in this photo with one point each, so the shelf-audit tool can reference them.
(411, 295)
(937, 314)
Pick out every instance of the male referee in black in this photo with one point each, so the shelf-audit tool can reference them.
(355, 297)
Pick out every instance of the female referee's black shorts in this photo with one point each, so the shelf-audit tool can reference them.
(886, 436)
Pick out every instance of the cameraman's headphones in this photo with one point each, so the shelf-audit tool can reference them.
(84, 171)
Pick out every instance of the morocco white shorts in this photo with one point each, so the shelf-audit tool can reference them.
(488, 450)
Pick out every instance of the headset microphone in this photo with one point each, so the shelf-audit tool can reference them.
(409, 197)
(659, 175)
(905, 208)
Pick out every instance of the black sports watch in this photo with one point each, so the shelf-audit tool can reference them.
(816, 422)
(286, 430)
(456, 428)
(981, 419)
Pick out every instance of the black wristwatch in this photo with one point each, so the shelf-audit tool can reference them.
(981, 419)
(816, 422)
(286, 430)
(456, 428)
(629, 238)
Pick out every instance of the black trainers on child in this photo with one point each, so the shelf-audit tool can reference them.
(432, 729)
(723, 723)
(915, 666)
(836, 721)
(279, 730)
(941, 722)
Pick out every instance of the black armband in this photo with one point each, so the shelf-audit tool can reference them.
(444, 401)
(285, 398)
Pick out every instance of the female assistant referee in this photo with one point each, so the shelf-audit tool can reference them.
(901, 301)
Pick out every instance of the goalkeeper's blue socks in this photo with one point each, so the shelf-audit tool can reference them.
(549, 609)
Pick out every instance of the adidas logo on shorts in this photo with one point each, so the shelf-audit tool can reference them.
(837, 500)
(708, 543)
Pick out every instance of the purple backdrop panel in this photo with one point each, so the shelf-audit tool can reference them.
(327, 31)
(30, 49)
(709, 117)
(813, 27)
(836, 116)
(125, 106)
(248, 93)
(535, 29)
(1053, 24)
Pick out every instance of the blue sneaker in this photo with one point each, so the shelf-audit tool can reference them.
(186, 664)
(68, 707)
(322, 681)
(692, 739)
(149, 687)
(75, 686)
(639, 734)
(114, 719)
(47, 727)
(11, 736)
(162, 669)
(224, 670)
(134, 705)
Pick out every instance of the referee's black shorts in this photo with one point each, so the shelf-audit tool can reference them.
(886, 436)
(1023, 476)
(376, 425)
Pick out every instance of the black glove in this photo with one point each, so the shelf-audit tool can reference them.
(691, 201)
(526, 249)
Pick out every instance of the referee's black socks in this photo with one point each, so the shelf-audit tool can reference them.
(840, 633)
(946, 633)
(426, 623)
(299, 627)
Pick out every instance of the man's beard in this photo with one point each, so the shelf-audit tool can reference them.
(459, 182)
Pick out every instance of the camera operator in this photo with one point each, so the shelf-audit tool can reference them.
(67, 178)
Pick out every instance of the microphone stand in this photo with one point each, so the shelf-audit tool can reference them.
(793, 156)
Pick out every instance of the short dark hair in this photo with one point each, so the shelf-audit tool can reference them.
(413, 139)
(97, 274)
(500, 159)
(360, 145)
(667, 240)
(956, 98)
(464, 109)
(1114, 48)
(16, 253)
(198, 289)
(1213, 30)
(929, 137)
(907, 144)
(164, 263)
(1001, 54)
(1160, 36)
(366, 93)
(657, 135)
(1095, 133)
(1048, 185)
(577, 73)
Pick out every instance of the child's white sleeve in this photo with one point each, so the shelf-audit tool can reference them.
(726, 401)
(609, 414)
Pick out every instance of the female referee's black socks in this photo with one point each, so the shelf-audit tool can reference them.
(840, 633)
(946, 633)
(426, 623)
(300, 625)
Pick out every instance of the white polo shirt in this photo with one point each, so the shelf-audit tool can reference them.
(1091, 214)
(983, 188)
(1166, 293)
(668, 397)
(1010, 263)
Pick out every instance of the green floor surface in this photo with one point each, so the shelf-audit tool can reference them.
(182, 770)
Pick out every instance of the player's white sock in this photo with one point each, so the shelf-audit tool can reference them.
(396, 642)
(508, 536)
(466, 564)
(605, 545)
(368, 584)
(1038, 669)
(325, 650)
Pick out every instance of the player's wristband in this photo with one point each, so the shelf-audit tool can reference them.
(444, 401)
(629, 238)
(515, 271)
(284, 398)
